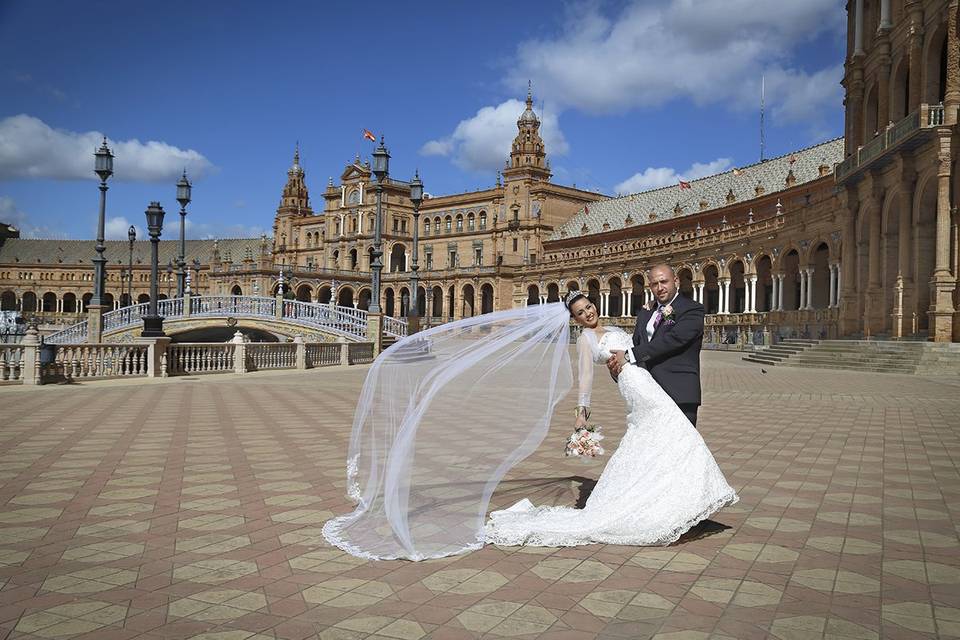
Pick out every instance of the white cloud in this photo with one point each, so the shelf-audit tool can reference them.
(116, 229)
(482, 143)
(30, 148)
(705, 51)
(11, 214)
(656, 177)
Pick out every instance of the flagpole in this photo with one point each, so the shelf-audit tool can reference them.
(762, 141)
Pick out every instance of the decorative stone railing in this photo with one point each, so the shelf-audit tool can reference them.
(72, 362)
(266, 355)
(30, 362)
(345, 321)
(195, 357)
(395, 327)
(11, 362)
(322, 354)
(927, 116)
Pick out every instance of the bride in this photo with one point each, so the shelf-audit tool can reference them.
(660, 482)
(444, 414)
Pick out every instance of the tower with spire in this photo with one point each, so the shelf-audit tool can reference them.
(294, 203)
(528, 157)
(295, 199)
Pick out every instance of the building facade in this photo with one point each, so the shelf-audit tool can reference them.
(857, 236)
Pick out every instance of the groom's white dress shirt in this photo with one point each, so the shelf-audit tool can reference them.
(650, 328)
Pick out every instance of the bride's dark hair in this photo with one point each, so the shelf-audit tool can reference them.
(572, 297)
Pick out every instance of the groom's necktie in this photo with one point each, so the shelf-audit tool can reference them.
(658, 319)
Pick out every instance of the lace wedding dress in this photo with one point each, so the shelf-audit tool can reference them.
(661, 480)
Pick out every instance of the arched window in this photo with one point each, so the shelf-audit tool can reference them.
(426, 226)
(354, 197)
(471, 222)
(483, 220)
(436, 225)
(448, 224)
(459, 223)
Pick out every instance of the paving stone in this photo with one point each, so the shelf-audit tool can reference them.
(198, 514)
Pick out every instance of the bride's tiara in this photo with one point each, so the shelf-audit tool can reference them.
(573, 295)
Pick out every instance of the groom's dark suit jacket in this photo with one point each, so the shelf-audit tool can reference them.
(673, 355)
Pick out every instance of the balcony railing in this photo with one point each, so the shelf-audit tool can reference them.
(926, 117)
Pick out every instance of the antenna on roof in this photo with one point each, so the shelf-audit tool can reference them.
(762, 141)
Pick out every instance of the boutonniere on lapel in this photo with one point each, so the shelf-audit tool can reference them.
(668, 316)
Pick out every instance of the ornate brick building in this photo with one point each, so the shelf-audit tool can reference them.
(854, 236)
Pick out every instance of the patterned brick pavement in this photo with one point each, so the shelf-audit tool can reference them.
(191, 508)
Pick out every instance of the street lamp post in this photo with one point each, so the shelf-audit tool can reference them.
(132, 237)
(416, 197)
(103, 167)
(183, 197)
(381, 169)
(153, 322)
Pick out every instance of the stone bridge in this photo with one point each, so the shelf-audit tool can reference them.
(281, 318)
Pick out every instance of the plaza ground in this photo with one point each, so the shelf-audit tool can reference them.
(192, 507)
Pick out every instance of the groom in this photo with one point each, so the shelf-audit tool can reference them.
(667, 342)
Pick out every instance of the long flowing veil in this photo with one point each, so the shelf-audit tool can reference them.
(442, 416)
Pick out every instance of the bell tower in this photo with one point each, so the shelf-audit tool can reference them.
(295, 199)
(528, 158)
(294, 203)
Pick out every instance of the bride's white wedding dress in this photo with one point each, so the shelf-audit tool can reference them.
(661, 480)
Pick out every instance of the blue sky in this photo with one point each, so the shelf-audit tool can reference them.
(633, 95)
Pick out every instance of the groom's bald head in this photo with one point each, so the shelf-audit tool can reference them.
(663, 266)
(664, 282)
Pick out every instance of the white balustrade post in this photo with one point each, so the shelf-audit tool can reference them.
(301, 355)
(31, 357)
(239, 353)
(344, 351)
(156, 348)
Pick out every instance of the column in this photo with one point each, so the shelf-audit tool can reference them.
(803, 289)
(915, 87)
(839, 281)
(625, 305)
(883, 92)
(775, 281)
(858, 29)
(724, 296)
(810, 288)
(833, 286)
(406, 260)
(780, 292)
(604, 304)
(885, 14)
(941, 294)
(874, 248)
(904, 242)
(849, 307)
(700, 289)
(753, 295)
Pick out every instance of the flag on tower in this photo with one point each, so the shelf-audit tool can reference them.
(369, 135)
(685, 185)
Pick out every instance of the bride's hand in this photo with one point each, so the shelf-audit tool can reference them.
(580, 423)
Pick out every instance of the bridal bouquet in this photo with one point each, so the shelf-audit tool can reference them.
(585, 442)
